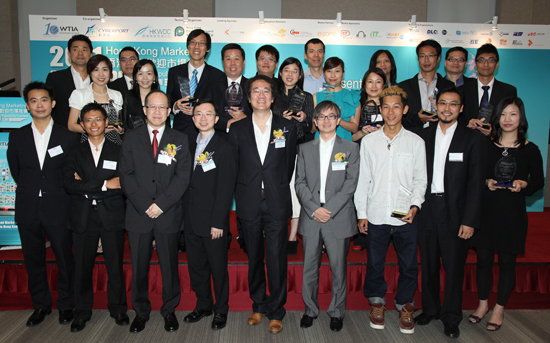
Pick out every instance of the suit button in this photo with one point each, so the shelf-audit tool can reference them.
(153, 181)
(153, 198)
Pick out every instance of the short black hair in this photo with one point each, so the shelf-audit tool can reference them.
(128, 48)
(487, 48)
(156, 91)
(95, 60)
(202, 102)
(36, 85)
(333, 62)
(429, 42)
(270, 49)
(457, 48)
(80, 38)
(326, 105)
(197, 32)
(92, 106)
(267, 79)
(314, 41)
(233, 46)
(449, 90)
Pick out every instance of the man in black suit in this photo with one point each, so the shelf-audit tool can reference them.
(65, 81)
(451, 211)
(266, 152)
(207, 202)
(36, 154)
(484, 93)
(196, 78)
(97, 211)
(455, 63)
(154, 172)
(233, 58)
(423, 87)
(127, 58)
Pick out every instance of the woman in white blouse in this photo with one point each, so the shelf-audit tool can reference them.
(100, 70)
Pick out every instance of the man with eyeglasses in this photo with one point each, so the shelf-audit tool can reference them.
(455, 63)
(390, 192)
(267, 58)
(451, 212)
(155, 166)
(266, 152)
(423, 87)
(327, 170)
(481, 95)
(127, 58)
(192, 80)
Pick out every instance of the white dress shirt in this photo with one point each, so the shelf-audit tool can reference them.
(480, 90)
(325, 153)
(262, 138)
(41, 141)
(201, 145)
(81, 97)
(77, 79)
(427, 92)
(159, 134)
(442, 144)
(96, 154)
(386, 167)
(129, 82)
(237, 81)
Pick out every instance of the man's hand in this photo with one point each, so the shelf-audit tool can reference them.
(216, 233)
(426, 118)
(77, 177)
(410, 215)
(153, 211)
(477, 124)
(465, 231)
(363, 226)
(113, 183)
(322, 215)
(184, 105)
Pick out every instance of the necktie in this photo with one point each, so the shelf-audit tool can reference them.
(485, 97)
(193, 83)
(155, 144)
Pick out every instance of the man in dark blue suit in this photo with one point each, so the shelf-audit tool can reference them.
(36, 154)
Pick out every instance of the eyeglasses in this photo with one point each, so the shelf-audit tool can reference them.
(157, 107)
(330, 117)
(482, 60)
(428, 56)
(259, 91)
(195, 43)
(456, 60)
(453, 104)
(129, 59)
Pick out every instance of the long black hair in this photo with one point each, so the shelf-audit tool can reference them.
(496, 133)
(288, 61)
(139, 64)
(393, 72)
(378, 72)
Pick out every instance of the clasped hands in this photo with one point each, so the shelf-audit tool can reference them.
(517, 185)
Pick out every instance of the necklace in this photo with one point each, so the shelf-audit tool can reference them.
(505, 152)
(97, 93)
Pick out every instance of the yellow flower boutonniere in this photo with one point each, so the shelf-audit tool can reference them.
(170, 150)
(279, 135)
(340, 157)
(204, 158)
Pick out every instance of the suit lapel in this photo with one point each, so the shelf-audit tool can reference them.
(210, 147)
(316, 162)
(455, 146)
(30, 138)
(52, 143)
(430, 150)
(252, 137)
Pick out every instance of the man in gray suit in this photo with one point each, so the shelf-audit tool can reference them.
(327, 172)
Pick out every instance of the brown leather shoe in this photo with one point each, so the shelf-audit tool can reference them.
(406, 321)
(275, 326)
(377, 315)
(255, 318)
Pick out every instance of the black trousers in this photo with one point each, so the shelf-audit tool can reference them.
(507, 274)
(167, 250)
(207, 258)
(265, 239)
(440, 244)
(33, 240)
(85, 247)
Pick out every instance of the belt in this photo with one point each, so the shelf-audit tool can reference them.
(439, 195)
(322, 204)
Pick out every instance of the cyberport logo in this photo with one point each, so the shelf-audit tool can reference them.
(151, 32)
(52, 29)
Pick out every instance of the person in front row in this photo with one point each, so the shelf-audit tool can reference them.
(207, 203)
(451, 212)
(97, 211)
(36, 154)
(327, 171)
(392, 183)
(155, 167)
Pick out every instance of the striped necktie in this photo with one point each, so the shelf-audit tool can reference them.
(193, 83)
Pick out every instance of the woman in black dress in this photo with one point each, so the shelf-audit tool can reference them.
(145, 78)
(514, 171)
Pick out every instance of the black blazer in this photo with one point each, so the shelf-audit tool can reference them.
(463, 180)
(133, 111)
(145, 181)
(30, 179)
(119, 85)
(411, 120)
(276, 171)
(471, 98)
(62, 83)
(208, 199)
(206, 89)
(221, 104)
(110, 203)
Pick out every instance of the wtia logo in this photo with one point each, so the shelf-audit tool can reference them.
(52, 29)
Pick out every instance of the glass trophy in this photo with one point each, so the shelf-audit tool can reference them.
(185, 90)
(297, 101)
(505, 170)
(402, 203)
(234, 96)
(370, 114)
(486, 112)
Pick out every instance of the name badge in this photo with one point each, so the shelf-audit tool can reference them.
(339, 166)
(111, 165)
(55, 151)
(456, 157)
(376, 118)
(164, 159)
(208, 166)
(280, 143)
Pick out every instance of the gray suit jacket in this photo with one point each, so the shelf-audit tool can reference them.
(339, 189)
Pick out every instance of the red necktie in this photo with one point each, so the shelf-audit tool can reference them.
(155, 144)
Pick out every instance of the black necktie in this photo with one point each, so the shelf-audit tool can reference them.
(485, 97)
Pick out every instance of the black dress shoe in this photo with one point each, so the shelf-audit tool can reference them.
(196, 315)
(219, 321)
(138, 324)
(424, 318)
(336, 324)
(78, 324)
(171, 322)
(121, 318)
(65, 316)
(451, 330)
(37, 317)
(306, 321)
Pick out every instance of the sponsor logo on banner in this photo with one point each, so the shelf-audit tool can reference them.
(503, 41)
(517, 42)
(502, 33)
(531, 34)
(375, 34)
(345, 33)
(93, 31)
(393, 35)
(324, 34)
(361, 34)
(474, 41)
(52, 29)
(455, 41)
(154, 32)
(297, 33)
(431, 32)
(444, 32)
(530, 42)
(179, 31)
(518, 33)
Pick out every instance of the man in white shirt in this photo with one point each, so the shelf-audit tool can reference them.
(451, 211)
(314, 55)
(127, 58)
(390, 192)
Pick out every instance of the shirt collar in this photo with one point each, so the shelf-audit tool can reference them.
(420, 77)
(48, 128)
(75, 73)
(490, 84)
(237, 80)
(160, 130)
(96, 147)
(450, 130)
(206, 140)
